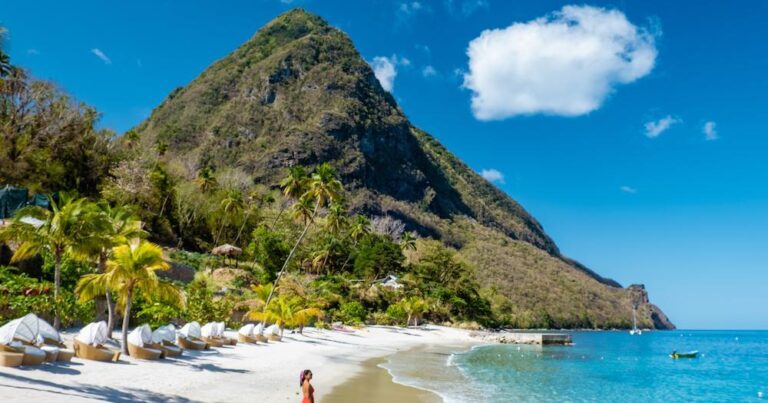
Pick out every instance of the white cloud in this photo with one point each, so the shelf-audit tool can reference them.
(710, 131)
(385, 70)
(654, 128)
(492, 175)
(408, 10)
(465, 8)
(429, 71)
(627, 189)
(566, 63)
(101, 55)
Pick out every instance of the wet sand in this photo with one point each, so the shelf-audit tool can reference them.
(374, 384)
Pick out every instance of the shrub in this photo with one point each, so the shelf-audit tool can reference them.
(352, 313)
(397, 313)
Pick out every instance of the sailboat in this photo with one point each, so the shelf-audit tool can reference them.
(635, 331)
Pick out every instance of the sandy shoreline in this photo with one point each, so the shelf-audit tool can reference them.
(244, 372)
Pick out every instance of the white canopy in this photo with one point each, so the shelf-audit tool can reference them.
(272, 329)
(191, 329)
(210, 329)
(247, 330)
(220, 327)
(140, 336)
(258, 329)
(46, 330)
(164, 333)
(25, 328)
(94, 333)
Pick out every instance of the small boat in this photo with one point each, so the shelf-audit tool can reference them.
(689, 354)
(635, 331)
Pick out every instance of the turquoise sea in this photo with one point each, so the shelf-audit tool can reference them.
(599, 367)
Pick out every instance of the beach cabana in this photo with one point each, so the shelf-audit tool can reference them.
(227, 340)
(245, 334)
(163, 339)
(273, 333)
(189, 337)
(51, 341)
(138, 340)
(20, 336)
(258, 332)
(89, 343)
(210, 334)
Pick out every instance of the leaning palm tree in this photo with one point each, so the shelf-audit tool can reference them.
(122, 227)
(293, 186)
(360, 227)
(132, 270)
(72, 228)
(322, 188)
(336, 219)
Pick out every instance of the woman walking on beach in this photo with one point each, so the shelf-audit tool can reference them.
(306, 387)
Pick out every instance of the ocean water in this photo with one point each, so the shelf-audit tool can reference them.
(599, 367)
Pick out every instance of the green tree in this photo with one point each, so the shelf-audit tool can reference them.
(293, 186)
(284, 312)
(414, 307)
(70, 229)
(205, 180)
(121, 227)
(323, 188)
(132, 270)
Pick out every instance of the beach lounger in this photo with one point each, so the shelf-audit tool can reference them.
(163, 339)
(213, 341)
(247, 339)
(95, 353)
(51, 353)
(140, 344)
(143, 353)
(11, 359)
(191, 344)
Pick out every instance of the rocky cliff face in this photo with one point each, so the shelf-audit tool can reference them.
(298, 92)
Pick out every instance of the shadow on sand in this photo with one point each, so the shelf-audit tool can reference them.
(106, 393)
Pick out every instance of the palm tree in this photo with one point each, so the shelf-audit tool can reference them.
(205, 180)
(5, 60)
(286, 312)
(360, 227)
(408, 241)
(71, 229)
(323, 188)
(336, 219)
(294, 186)
(414, 307)
(230, 205)
(122, 227)
(132, 269)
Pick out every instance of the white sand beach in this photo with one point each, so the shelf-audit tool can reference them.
(263, 372)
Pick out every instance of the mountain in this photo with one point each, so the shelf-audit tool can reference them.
(298, 92)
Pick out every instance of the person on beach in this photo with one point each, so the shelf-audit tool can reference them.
(306, 387)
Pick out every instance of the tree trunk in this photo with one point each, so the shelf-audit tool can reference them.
(290, 255)
(240, 231)
(57, 288)
(408, 321)
(110, 313)
(127, 320)
(102, 307)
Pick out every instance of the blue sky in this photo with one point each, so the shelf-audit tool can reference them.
(592, 116)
